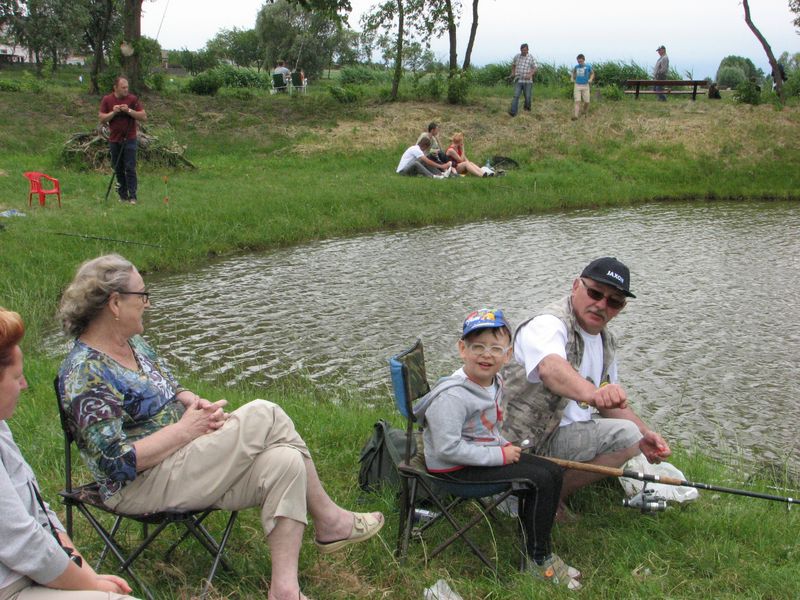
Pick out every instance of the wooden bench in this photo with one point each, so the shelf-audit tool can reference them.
(638, 84)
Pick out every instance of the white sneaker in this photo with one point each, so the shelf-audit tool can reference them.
(439, 176)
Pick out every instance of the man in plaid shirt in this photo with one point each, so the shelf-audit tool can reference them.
(523, 68)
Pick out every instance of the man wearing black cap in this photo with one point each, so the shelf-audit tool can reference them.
(661, 72)
(562, 397)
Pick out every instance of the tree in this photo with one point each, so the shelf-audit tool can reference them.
(301, 38)
(241, 46)
(745, 65)
(131, 34)
(104, 17)
(776, 73)
(473, 32)
(794, 6)
(48, 28)
(399, 18)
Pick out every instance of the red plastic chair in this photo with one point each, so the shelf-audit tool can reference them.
(36, 187)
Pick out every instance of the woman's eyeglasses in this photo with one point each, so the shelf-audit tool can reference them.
(145, 296)
(496, 351)
(597, 296)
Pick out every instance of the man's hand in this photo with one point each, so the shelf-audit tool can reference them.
(511, 454)
(654, 448)
(609, 396)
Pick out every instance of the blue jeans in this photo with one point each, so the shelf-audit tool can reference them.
(659, 88)
(123, 161)
(519, 88)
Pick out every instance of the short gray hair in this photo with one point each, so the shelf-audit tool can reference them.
(88, 293)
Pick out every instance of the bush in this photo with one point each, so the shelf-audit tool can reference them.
(551, 75)
(344, 95)
(730, 77)
(205, 84)
(458, 87)
(493, 74)
(9, 85)
(791, 87)
(748, 92)
(359, 74)
(612, 92)
(156, 81)
(613, 73)
(428, 86)
(234, 77)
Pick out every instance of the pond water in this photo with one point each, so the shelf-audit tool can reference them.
(708, 351)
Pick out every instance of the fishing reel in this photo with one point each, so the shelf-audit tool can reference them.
(648, 501)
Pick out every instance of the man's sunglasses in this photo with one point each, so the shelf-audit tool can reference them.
(596, 295)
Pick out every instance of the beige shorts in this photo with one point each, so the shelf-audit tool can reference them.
(581, 93)
(255, 460)
(25, 589)
(584, 441)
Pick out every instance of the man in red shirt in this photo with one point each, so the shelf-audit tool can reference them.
(121, 110)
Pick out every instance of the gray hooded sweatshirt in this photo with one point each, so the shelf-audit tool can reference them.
(461, 422)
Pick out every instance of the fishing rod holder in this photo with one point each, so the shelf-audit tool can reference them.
(648, 501)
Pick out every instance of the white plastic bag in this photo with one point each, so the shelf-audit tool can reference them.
(441, 591)
(675, 493)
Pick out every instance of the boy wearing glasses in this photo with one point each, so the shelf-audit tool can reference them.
(562, 390)
(461, 417)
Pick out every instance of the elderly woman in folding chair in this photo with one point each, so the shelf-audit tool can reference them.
(153, 445)
(37, 558)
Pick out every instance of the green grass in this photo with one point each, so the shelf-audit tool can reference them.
(274, 171)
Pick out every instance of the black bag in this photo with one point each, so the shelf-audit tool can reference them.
(380, 456)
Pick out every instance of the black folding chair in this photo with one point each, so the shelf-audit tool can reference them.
(88, 501)
(410, 383)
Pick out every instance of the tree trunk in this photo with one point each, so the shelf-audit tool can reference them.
(451, 32)
(398, 57)
(776, 72)
(100, 43)
(132, 33)
(472, 33)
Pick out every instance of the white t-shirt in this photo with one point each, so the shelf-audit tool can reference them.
(409, 156)
(547, 335)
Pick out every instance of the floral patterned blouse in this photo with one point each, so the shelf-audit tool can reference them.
(109, 407)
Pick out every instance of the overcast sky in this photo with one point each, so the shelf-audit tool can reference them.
(697, 33)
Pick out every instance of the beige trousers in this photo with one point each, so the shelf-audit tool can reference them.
(25, 589)
(255, 459)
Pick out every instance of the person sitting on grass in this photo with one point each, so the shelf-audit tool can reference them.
(415, 162)
(461, 421)
(462, 165)
(435, 152)
(38, 560)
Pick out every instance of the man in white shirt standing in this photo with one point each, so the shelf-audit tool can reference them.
(562, 391)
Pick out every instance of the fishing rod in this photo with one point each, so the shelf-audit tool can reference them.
(105, 239)
(665, 479)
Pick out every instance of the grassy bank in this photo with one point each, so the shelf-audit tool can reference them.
(276, 171)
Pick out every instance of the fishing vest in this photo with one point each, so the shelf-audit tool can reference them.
(531, 410)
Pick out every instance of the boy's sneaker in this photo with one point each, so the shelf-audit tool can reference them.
(555, 571)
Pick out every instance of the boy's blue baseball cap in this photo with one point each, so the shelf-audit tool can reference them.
(485, 318)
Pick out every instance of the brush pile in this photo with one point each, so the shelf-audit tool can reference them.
(91, 150)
